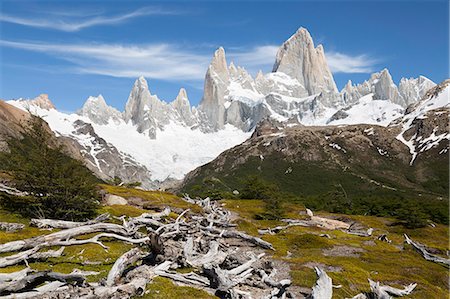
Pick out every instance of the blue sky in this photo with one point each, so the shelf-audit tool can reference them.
(72, 50)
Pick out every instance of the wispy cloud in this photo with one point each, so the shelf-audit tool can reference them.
(169, 62)
(263, 57)
(155, 61)
(343, 63)
(71, 23)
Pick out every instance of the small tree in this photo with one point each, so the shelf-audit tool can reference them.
(58, 185)
(257, 188)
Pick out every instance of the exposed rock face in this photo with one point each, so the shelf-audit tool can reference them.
(382, 86)
(217, 80)
(299, 59)
(182, 106)
(149, 113)
(403, 154)
(105, 160)
(96, 109)
(300, 89)
(41, 101)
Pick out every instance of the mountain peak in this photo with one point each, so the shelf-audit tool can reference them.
(141, 83)
(42, 101)
(96, 109)
(298, 58)
(182, 96)
(219, 62)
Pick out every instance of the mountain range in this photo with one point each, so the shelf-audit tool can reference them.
(156, 142)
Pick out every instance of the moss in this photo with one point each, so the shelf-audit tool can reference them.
(379, 261)
(164, 288)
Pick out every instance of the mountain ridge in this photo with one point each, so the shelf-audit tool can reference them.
(171, 139)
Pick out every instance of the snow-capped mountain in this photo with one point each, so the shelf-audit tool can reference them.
(408, 156)
(169, 139)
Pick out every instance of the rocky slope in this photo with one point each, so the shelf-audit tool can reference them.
(171, 138)
(82, 143)
(409, 155)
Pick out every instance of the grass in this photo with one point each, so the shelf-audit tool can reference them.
(91, 257)
(162, 288)
(154, 199)
(379, 261)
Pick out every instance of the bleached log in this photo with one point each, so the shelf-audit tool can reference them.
(61, 224)
(31, 254)
(172, 228)
(323, 289)
(213, 256)
(6, 277)
(267, 279)
(125, 260)
(279, 228)
(36, 278)
(135, 287)
(43, 291)
(225, 280)
(424, 252)
(186, 278)
(148, 271)
(10, 227)
(50, 239)
(386, 292)
(96, 240)
(11, 190)
(239, 235)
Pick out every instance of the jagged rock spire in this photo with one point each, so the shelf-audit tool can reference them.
(299, 59)
(96, 109)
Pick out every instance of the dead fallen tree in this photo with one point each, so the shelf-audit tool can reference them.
(321, 222)
(28, 279)
(11, 227)
(323, 289)
(50, 223)
(378, 291)
(225, 262)
(424, 252)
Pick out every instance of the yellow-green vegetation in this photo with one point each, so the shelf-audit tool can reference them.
(153, 198)
(162, 288)
(303, 248)
(91, 257)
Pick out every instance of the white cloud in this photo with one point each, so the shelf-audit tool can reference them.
(155, 61)
(343, 63)
(169, 62)
(71, 25)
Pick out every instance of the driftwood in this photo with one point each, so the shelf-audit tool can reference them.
(378, 291)
(11, 227)
(324, 285)
(239, 235)
(51, 239)
(321, 222)
(32, 279)
(214, 256)
(128, 258)
(424, 252)
(224, 262)
(11, 191)
(51, 223)
(30, 254)
(224, 280)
